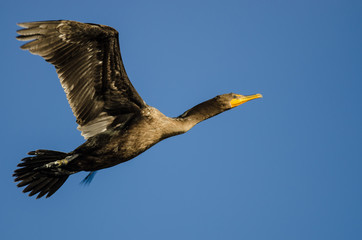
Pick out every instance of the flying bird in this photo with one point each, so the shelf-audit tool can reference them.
(115, 121)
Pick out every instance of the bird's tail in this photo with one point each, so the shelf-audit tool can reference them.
(44, 172)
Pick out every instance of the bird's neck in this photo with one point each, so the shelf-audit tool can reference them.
(200, 113)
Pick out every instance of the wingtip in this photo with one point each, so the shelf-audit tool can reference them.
(23, 24)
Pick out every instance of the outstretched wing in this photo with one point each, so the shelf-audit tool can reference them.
(88, 61)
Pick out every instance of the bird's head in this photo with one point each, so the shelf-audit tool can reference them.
(231, 100)
(216, 106)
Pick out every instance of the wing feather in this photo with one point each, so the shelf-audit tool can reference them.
(88, 62)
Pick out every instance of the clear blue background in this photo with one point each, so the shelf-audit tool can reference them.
(287, 166)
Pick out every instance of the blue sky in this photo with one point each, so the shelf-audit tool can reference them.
(287, 166)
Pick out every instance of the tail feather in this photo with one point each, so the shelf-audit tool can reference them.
(40, 174)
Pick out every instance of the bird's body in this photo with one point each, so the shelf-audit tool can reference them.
(122, 144)
(116, 123)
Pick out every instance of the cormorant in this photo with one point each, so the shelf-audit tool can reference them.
(116, 123)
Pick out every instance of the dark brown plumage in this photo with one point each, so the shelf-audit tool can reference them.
(117, 124)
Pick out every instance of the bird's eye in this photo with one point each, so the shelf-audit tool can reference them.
(234, 96)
